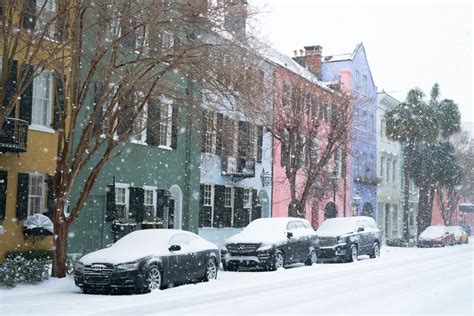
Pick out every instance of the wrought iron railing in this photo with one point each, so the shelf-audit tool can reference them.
(14, 135)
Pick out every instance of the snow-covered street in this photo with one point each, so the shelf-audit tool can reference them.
(400, 281)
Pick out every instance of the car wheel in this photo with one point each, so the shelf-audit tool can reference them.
(153, 279)
(312, 258)
(375, 250)
(352, 256)
(278, 261)
(211, 270)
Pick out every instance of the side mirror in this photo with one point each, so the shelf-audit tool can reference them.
(289, 234)
(360, 229)
(174, 248)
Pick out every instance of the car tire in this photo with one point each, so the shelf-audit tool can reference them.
(278, 261)
(153, 279)
(312, 258)
(352, 255)
(375, 251)
(211, 270)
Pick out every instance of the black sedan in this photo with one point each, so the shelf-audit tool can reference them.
(345, 238)
(146, 260)
(271, 243)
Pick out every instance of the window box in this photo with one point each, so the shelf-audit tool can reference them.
(36, 232)
(14, 135)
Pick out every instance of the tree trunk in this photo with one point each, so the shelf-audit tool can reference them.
(425, 209)
(296, 209)
(406, 193)
(60, 250)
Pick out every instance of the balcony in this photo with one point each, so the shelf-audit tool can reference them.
(238, 167)
(14, 136)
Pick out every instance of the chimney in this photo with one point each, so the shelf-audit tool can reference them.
(235, 18)
(312, 59)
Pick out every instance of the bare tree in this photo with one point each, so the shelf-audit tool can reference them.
(118, 54)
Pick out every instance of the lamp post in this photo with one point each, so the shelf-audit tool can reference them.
(357, 199)
(334, 180)
(266, 178)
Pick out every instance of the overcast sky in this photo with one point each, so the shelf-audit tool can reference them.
(408, 43)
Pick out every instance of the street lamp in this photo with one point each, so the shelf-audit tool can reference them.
(357, 200)
(334, 180)
(266, 178)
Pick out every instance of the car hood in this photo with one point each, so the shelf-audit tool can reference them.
(114, 256)
(243, 238)
(333, 234)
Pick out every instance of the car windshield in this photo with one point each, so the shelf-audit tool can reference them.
(144, 238)
(336, 226)
(433, 232)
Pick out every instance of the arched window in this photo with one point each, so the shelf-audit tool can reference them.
(382, 128)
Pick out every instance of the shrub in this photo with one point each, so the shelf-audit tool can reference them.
(24, 267)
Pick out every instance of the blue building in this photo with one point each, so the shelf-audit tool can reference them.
(363, 150)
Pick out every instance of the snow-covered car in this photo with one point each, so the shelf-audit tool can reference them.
(345, 238)
(435, 236)
(460, 236)
(271, 243)
(148, 259)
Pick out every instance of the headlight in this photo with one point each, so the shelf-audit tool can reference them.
(341, 240)
(128, 266)
(264, 247)
(79, 266)
(224, 249)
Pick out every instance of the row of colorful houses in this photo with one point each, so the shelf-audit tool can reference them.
(211, 175)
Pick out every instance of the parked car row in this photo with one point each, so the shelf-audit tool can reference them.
(153, 259)
(442, 236)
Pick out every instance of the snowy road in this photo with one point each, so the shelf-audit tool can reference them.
(404, 281)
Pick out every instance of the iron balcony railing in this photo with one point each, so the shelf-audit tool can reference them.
(14, 135)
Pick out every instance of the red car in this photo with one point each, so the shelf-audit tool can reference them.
(436, 236)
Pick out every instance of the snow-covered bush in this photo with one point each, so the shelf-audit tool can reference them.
(24, 267)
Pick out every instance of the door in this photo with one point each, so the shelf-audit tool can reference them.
(290, 247)
(302, 242)
(177, 196)
(181, 258)
(94, 223)
(171, 214)
(363, 237)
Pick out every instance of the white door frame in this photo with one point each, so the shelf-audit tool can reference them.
(177, 195)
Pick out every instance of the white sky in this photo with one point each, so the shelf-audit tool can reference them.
(408, 43)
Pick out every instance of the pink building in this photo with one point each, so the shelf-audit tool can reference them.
(290, 75)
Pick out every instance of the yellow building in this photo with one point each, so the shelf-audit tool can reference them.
(28, 141)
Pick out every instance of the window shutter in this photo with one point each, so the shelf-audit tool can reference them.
(260, 143)
(29, 14)
(219, 209)
(153, 122)
(256, 207)
(244, 144)
(174, 126)
(22, 196)
(201, 205)
(59, 99)
(97, 96)
(10, 88)
(137, 199)
(3, 193)
(219, 134)
(125, 121)
(61, 28)
(239, 207)
(50, 198)
(204, 118)
(129, 35)
(26, 102)
(111, 210)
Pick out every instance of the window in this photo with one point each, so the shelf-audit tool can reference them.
(253, 141)
(372, 124)
(165, 125)
(382, 163)
(389, 165)
(36, 193)
(364, 120)
(149, 201)
(42, 99)
(357, 83)
(138, 134)
(45, 22)
(382, 128)
(394, 174)
(364, 87)
(247, 198)
(208, 194)
(211, 135)
(167, 40)
(229, 197)
(141, 41)
(121, 200)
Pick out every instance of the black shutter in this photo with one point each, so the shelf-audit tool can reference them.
(205, 212)
(61, 28)
(26, 102)
(136, 207)
(59, 99)
(219, 209)
(244, 130)
(260, 143)
(125, 121)
(256, 206)
(97, 108)
(219, 134)
(29, 14)
(228, 137)
(204, 118)
(50, 199)
(111, 210)
(22, 196)
(174, 126)
(153, 122)
(128, 32)
(239, 207)
(10, 88)
(3, 193)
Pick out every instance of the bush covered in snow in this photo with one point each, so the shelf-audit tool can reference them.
(24, 267)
